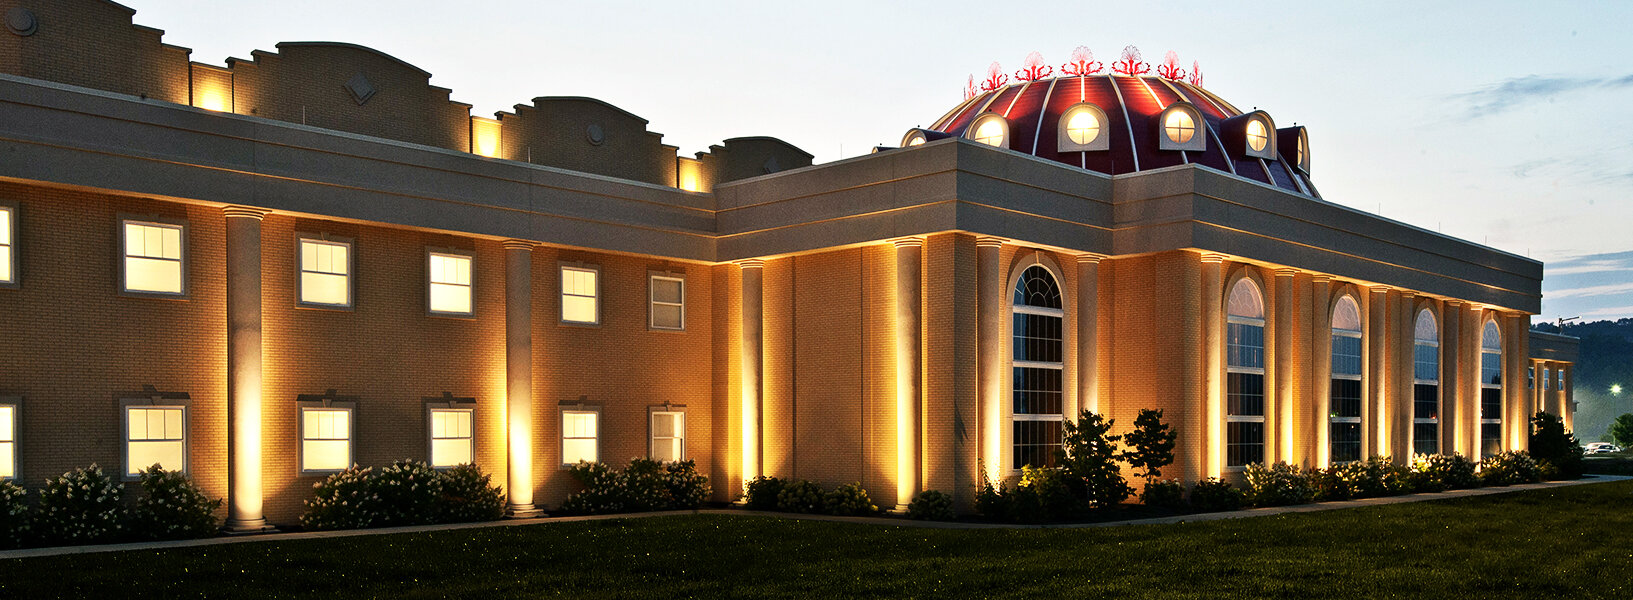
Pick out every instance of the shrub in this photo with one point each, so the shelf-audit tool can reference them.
(1168, 493)
(82, 506)
(1358, 479)
(931, 505)
(1212, 495)
(1509, 468)
(1150, 446)
(849, 500)
(344, 500)
(14, 515)
(761, 492)
(1088, 458)
(1046, 494)
(1278, 485)
(1621, 430)
(641, 486)
(801, 496)
(1551, 444)
(991, 501)
(173, 507)
(1447, 471)
(687, 487)
(409, 492)
(468, 494)
(1329, 484)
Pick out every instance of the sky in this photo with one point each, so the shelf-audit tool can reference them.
(1504, 125)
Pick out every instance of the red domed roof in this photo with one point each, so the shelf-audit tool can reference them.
(1131, 137)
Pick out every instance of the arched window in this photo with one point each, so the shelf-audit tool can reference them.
(990, 129)
(1182, 128)
(1491, 389)
(1083, 129)
(1426, 384)
(1244, 374)
(1037, 366)
(1344, 416)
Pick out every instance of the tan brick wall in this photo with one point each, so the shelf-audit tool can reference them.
(92, 43)
(951, 417)
(555, 132)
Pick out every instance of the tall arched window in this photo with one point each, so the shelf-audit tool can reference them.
(1037, 365)
(1491, 390)
(1426, 385)
(1244, 375)
(1345, 411)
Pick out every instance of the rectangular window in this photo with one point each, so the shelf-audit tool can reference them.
(325, 276)
(1346, 354)
(1530, 378)
(668, 302)
(580, 441)
(1491, 368)
(1491, 439)
(1426, 362)
(326, 439)
(1244, 392)
(8, 270)
(155, 435)
(668, 435)
(1036, 442)
(1244, 345)
(450, 283)
(453, 441)
(580, 287)
(8, 441)
(1244, 443)
(153, 258)
(1425, 418)
(1425, 438)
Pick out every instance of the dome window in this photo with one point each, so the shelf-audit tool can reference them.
(1182, 129)
(1299, 140)
(1083, 129)
(914, 137)
(990, 129)
(1252, 135)
(1258, 136)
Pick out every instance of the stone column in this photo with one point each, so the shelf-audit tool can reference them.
(753, 272)
(1284, 327)
(1567, 389)
(1088, 335)
(909, 371)
(1319, 425)
(990, 357)
(1213, 368)
(1451, 380)
(519, 378)
(1515, 400)
(1375, 423)
(1404, 410)
(245, 496)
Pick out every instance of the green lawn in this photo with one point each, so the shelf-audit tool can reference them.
(1567, 543)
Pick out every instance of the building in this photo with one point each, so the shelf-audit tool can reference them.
(263, 272)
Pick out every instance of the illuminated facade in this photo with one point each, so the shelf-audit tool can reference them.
(263, 272)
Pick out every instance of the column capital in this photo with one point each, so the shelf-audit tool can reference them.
(1090, 258)
(1456, 303)
(1380, 289)
(751, 263)
(909, 242)
(1408, 294)
(1320, 278)
(244, 212)
(1213, 259)
(519, 244)
(989, 242)
(1284, 272)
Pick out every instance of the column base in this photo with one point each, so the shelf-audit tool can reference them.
(249, 527)
(900, 509)
(523, 511)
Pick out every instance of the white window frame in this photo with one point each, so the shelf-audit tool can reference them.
(561, 425)
(1486, 385)
(10, 245)
(431, 283)
(1411, 438)
(15, 405)
(1017, 273)
(652, 299)
(561, 276)
(984, 118)
(443, 405)
(1101, 141)
(1199, 129)
(125, 256)
(324, 404)
(1259, 322)
(1349, 333)
(300, 270)
(679, 412)
(133, 472)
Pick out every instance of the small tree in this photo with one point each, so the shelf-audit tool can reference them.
(1150, 445)
(1621, 430)
(1088, 455)
(1550, 443)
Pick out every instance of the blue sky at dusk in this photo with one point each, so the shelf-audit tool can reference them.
(1501, 123)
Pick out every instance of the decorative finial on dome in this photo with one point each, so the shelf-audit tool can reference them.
(1082, 64)
(1170, 67)
(995, 78)
(1131, 64)
(1196, 74)
(969, 88)
(1033, 68)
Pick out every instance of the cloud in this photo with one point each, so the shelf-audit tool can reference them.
(1593, 263)
(1515, 91)
(1592, 290)
(1608, 311)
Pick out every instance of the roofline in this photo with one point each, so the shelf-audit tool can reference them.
(281, 45)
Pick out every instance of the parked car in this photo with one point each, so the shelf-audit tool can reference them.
(1600, 448)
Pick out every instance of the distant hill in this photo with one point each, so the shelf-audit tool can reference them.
(1606, 359)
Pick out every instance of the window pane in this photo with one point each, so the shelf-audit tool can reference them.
(1425, 401)
(666, 290)
(1346, 442)
(1037, 337)
(450, 269)
(8, 460)
(1426, 362)
(1244, 443)
(1037, 391)
(152, 275)
(1346, 398)
(666, 316)
(136, 422)
(1244, 345)
(574, 450)
(8, 425)
(1491, 369)
(450, 298)
(666, 450)
(5, 226)
(1491, 403)
(578, 309)
(1346, 355)
(663, 425)
(325, 455)
(5, 263)
(1491, 439)
(450, 452)
(1035, 443)
(166, 454)
(171, 239)
(323, 288)
(1244, 394)
(1426, 438)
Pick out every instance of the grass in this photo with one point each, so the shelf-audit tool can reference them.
(1557, 543)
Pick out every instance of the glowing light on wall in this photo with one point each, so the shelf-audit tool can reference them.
(690, 174)
(212, 88)
(485, 137)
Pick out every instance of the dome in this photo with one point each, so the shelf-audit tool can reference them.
(1116, 124)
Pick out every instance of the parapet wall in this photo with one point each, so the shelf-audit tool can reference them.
(350, 88)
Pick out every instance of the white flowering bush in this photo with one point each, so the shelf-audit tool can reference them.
(687, 488)
(802, 496)
(932, 505)
(82, 506)
(849, 500)
(641, 486)
(1509, 468)
(408, 492)
(172, 507)
(15, 516)
(468, 494)
(1278, 484)
(344, 500)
